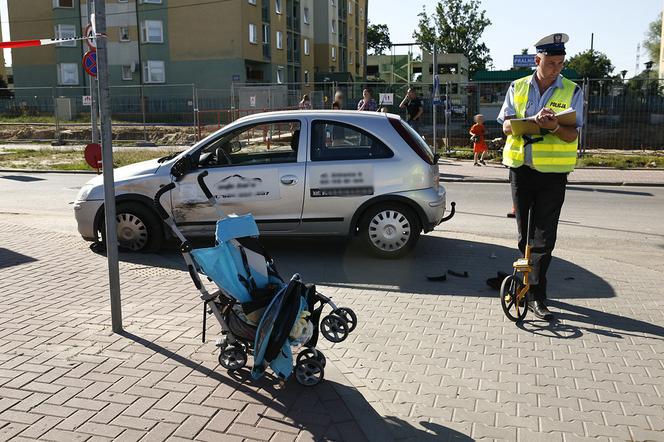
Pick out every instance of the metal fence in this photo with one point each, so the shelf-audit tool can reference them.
(618, 114)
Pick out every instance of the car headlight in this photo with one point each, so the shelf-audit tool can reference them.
(84, 192)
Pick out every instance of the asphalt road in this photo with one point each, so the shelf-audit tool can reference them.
(624, 220)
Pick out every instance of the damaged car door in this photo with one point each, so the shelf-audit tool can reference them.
(256, 168)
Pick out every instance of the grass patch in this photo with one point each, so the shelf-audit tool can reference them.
(622, 161)
(55, 159)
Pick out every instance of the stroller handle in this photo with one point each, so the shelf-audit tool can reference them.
(204, 187)
(157, 203)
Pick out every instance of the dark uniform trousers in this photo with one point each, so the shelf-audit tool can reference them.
(546, 193)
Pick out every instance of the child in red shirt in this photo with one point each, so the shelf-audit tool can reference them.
(477, 135)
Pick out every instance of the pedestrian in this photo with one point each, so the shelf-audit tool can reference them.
(339, 99)
(477, 136)
(367, 103)
(539, 164)
(384, 109)
(305, 103)
(414, 109)
(335, 105)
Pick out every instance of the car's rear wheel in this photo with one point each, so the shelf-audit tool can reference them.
(389, 230)
(138, 228)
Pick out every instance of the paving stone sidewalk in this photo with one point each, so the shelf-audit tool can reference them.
(64, 376)
(459, 170)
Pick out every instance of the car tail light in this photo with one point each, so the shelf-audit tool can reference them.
(413, 139)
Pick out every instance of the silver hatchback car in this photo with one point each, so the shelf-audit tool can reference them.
(343, 173)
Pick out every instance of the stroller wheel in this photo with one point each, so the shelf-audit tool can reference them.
(233, 358)
(334, 328)
(312, 353)
(349, 316)
(309, 372)
(515, 311)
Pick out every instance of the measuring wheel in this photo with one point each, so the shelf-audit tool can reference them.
(309, 372)
(233, 357)
(515, 311)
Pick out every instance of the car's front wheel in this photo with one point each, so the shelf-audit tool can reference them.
(389, 230)
(138, 228)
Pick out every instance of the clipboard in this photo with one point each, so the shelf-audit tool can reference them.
(527, 126)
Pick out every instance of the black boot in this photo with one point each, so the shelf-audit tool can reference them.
(540, 310)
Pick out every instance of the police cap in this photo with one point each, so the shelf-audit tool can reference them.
(553, 44)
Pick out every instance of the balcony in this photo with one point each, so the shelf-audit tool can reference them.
(265, 9)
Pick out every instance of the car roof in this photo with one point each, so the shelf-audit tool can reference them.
(327, 113)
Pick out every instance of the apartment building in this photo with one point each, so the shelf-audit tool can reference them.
(340, 40)
(209, 44)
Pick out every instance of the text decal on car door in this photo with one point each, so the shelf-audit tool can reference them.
(260, 186)
(343, 181)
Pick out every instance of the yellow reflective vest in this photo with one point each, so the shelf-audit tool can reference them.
(550, 154)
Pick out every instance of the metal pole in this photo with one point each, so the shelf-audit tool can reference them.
(93, 97)
(447, 115)
(586, 99)
(107, 164)
(57, 117)
(435, 72)
(145, 127)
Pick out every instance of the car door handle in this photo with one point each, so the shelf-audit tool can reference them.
(289, 180)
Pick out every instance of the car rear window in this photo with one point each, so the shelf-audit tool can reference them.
(413, 139)
(333, 141)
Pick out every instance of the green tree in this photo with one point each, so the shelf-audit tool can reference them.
(456, 27)
(378, 39)
(653, 41)
(591, 64)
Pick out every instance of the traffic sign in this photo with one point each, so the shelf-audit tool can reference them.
(90, 62)
(87, 100)
(386, 99)
(524, 61)
(93, 155)
(89, 35)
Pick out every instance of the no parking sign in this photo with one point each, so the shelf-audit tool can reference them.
(90, 63)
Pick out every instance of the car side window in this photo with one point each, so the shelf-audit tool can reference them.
(264, 143)
(332, 141)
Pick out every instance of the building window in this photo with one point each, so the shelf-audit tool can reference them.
(334, 53)
(266, 33)
(124, 33)
(306, 77)
(361, 12)
(280, 75)
(350, 7)
(66, 31)
(154, 71)
(152, 31)
(277, 6)
(127, 72)
(122, 1)
(252, 2)
(63, 3)
(334, 26)
(350, 58)
(305, 15)
(361, 60)
(280, 40)
(156, 2)
(306, 46)
(68, 74)
(253, 38)
(334, 2)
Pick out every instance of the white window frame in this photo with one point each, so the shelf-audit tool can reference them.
(148, 65)
(306, 47)
(123, 1)
(277, 6)
(306, 77)
(252, 2)
(279, 40)
(334, 3)
(121, 33)
(130, 70)
(145, 31)
(63, 79)
(280, 75)
(305, 15)
(56, 4)
(334, 26)
(350, 7)
(59, 33)
(334, 52)
(253, 34)
(350, 58)
(156, 2)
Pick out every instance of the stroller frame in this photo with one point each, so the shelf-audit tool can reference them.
(234, 349)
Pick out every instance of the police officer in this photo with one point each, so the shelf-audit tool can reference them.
(539, 164)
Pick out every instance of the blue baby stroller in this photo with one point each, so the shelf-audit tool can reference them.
(258, 311)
